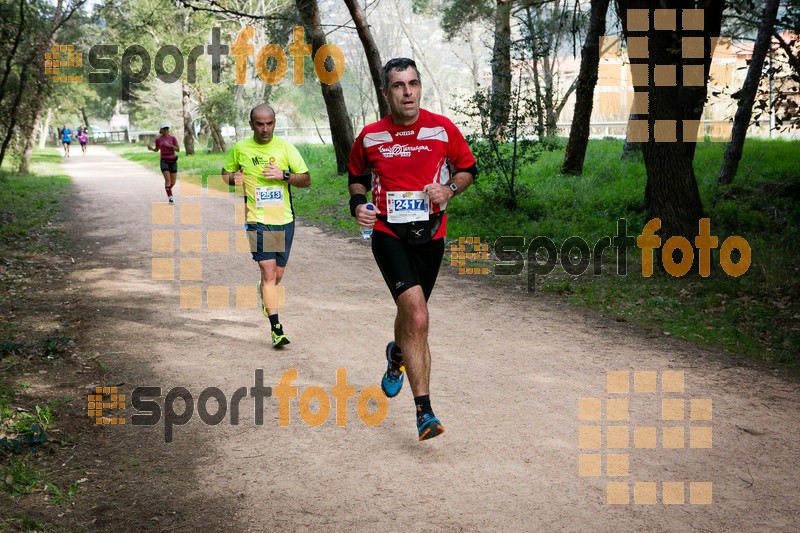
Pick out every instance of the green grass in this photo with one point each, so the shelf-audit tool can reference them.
(29, 204)
(201, 163)
(30, 225)
(754, 314)
(325, 201)
(30, 233)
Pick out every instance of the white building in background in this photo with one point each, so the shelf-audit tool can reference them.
(613, 96)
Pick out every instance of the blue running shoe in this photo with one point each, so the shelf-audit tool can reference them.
(428, 425)
(392, 380)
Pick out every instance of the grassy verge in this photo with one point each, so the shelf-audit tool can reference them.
(325, 201)
(29, 226)
(30, 239)
(755, 314)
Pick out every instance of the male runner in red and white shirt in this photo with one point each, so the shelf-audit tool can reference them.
(414, 161)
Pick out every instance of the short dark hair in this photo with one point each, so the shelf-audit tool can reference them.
(261, 106)
(399, 64)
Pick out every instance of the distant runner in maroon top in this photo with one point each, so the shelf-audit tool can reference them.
(168, 145)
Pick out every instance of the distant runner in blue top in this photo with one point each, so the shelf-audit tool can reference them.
(66, 138)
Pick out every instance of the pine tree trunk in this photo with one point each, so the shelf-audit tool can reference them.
(584, 92)
(188, 131)
(500, 104)
(218, 144)
(747, 95)
(45, 128)
(339, 119)
(371, 51)
(671, 192)
(537, 86)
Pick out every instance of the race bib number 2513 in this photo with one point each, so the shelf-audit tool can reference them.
(269, 195)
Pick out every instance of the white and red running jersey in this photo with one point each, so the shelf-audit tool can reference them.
(407, 158)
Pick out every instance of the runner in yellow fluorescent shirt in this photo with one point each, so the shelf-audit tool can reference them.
(268, 167)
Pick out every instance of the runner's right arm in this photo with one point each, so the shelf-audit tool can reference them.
(359, 203)
(359, 182)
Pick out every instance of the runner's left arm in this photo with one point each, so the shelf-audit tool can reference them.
(465, 168)
(301, 180)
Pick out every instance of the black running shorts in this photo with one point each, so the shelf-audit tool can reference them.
(169, 166)
(404, 265)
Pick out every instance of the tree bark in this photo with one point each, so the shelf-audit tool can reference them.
(631, 147)
(9, 133)
(218, 142)
(45, 128)
(29, 126)
(537, 86)
(371, 51)
(13, 52)
(188, 130)
(475, 67)
(500, 104)
(339, 119)
(671, 192)
(549, 105)
(747, 94)
(584, 91)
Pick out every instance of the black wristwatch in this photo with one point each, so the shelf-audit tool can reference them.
(286, 175)
(453, 187)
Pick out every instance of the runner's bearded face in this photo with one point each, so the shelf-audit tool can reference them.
(263, 125)
(404, 95)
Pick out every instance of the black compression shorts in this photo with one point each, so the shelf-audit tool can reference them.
(404, 265)
(169, 166)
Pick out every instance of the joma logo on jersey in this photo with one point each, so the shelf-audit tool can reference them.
(403, 133)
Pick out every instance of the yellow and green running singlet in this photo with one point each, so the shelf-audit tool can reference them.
(268, 201)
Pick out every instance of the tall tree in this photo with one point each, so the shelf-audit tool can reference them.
(457, 15)
(370, 51)
(186, 116)
(341, 128)
(544, 27)
(24, 71)
(584, 93)
(747, 94)
(677, 90)
(501, 66)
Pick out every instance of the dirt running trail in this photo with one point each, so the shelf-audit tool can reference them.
(509, 370)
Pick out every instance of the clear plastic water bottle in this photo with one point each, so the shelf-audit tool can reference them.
(366, 233)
